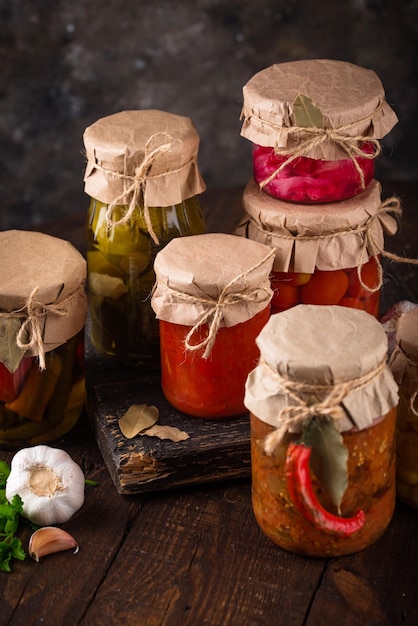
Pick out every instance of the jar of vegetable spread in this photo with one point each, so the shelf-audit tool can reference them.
(43, 309)
(143, 179)
(325, 254)
(323, 411)
(404, 366)
(315, 127)
(212, 299)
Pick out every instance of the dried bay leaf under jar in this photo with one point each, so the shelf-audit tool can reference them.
(144, 182)
(43, 309)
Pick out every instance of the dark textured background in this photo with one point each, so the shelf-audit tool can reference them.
(64, 64)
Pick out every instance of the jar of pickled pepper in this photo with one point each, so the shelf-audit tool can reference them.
(404, 365)
(325, 254)
(323, 412)
(143, 180)
(212, 298)
(315, 127)
(43, 309)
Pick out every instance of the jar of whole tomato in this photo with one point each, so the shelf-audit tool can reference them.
(323, 411)
(144, 182)
(212, 298)
(43, 309)
(404, 365)
(315, 127)
(325, 254)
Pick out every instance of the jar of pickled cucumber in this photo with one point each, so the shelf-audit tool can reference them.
(144, 183)
(404, 366)
(315, 127)
(212, 298)
(323, 410)
(43, 309)
(325, 254)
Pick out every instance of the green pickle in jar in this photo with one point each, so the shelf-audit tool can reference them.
(144, 186)
(43, 309)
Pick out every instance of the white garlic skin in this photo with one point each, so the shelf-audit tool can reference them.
(58, 506)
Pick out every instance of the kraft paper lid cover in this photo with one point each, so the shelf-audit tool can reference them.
(196, 274)
(42, 282)
(335, 235)
(154, 148)
(324, 346)
(349, 97)
(404, 359)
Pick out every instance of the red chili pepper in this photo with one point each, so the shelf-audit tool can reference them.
(300, 489)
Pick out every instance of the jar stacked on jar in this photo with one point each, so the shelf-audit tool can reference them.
(315, 128)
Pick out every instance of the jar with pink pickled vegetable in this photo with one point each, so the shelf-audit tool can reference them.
(315, 127)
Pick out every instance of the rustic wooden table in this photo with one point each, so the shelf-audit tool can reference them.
(195, 555)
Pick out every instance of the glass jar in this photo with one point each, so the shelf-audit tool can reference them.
(325, 254)
(322, 431)
(404, 365)
(43, 308)
(212, 387)
(312, 144)
(143, 180)
(210, 313)
(308, 180)
(121, 277)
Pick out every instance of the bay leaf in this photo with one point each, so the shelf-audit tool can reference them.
(306, 113)
(10, 353)
(137, 418)
(329, 458)
(166, 432)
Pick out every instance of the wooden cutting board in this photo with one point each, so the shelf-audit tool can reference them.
(216, 449)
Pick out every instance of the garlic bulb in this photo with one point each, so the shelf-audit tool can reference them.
(49, 482)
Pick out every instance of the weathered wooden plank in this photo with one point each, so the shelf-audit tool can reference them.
(199, 557)
(216, 449)
(374, 587)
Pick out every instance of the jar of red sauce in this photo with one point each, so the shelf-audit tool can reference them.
(325, 254)
(404, 366)
(212, 298)
(313, 143)
(43, 309)
(323, 410)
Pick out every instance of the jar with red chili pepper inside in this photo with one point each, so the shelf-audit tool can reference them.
(313, 144)
(404, 365)
(43, 309)
(325, 254)
(212, 298)
(323, 410)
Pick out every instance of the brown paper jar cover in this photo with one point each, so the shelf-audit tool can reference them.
(404, 359)
(202, 266)
(329, 236)
(53, 272)
(163, 144)
(322, 345)
(349, 97)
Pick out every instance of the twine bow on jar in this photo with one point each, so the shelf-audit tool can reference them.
(311, 400)
(33, 315)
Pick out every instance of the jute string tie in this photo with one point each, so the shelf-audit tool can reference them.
(135, 190)
(308, 138)
(33, 313)
(306, 406)
(214, 314)
(391, 206)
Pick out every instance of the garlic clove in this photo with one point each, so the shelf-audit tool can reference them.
(50, 539)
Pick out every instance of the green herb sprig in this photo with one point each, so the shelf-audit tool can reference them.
(10, 514)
